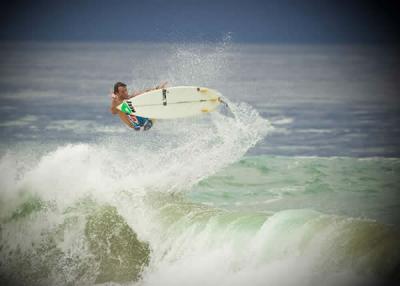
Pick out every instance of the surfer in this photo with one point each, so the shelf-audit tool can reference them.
(119, 95)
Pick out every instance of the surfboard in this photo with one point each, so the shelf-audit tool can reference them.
(172, 102)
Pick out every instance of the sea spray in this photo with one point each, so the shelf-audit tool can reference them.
(65, 225)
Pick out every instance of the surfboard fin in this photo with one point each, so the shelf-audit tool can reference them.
(223, 102)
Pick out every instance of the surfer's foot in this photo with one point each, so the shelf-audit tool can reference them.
(147, 125)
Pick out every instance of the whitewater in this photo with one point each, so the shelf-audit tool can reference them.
(253, 195)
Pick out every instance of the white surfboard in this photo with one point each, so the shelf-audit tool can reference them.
(172, 102)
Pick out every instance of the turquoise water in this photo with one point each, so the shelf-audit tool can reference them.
(356, 187)
(294, 186)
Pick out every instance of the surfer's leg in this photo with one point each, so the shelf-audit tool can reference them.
(137, 122)
(145, 122)
(134, 122)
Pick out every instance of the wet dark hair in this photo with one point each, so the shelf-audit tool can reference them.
(117, 85)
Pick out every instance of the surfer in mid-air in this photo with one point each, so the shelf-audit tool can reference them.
(119, 95)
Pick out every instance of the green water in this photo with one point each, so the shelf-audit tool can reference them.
(355, 187)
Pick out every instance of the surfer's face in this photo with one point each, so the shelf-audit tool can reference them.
(122, 91)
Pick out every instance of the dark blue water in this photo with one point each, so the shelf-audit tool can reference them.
(323, 100)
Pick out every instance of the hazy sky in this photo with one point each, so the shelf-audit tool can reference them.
(324, 21)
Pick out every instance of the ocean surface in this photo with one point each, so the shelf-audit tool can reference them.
(296, 183)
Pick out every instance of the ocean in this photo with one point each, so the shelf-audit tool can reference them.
(296, 183)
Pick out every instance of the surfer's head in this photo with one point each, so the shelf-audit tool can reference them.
(120, 89)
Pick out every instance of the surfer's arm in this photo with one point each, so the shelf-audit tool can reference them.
(161, 85)
(113, 108)
(136, 93)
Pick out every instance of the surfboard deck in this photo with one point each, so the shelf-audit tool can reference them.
(172, 102)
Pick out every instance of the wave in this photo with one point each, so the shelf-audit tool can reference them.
(76, 214)
(130, 209)
(201, 245)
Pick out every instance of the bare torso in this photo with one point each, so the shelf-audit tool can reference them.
(117, 100)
